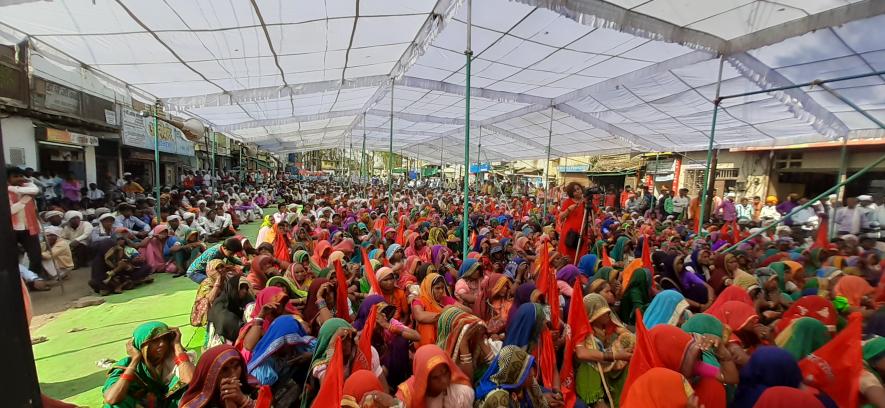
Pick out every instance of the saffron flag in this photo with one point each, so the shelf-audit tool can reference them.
(606, 261)
(836, 367)
(332, 387)
(579, 325)
(341, 293)
(363, 360)
(370, 273)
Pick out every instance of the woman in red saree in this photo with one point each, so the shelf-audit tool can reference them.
(571, 217)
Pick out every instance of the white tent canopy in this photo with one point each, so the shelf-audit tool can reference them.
(617, 75)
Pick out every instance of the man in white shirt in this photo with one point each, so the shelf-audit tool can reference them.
(79, 235)
(680, 203)
(95, 195)
(848, 218)
(869, 212)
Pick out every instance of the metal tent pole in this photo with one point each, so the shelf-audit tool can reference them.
(390, 157)
(547, 168)
(843, 167)
(157, 158)
(468, 53)
(479, 160)
(364, 171)
(706, 187)
(212, 172)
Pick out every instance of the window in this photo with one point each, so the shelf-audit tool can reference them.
(727, 173)
(789, 160)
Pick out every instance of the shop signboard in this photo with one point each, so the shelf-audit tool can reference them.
(61, 98)
(481, 168)
(138, 131)
(577, 168)
(64, 136)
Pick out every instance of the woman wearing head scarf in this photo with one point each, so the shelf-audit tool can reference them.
(329, 332)
(587, 265)
(667, 347)
(746, 332)
(603, 355)
(494, 301)
(717, 362)
(725, 272)
(635, 295)
(677, 276)
(787, 397)
(660, 388)
(510, 380)
(526, 326)
(261, 268)
(802, 337)
(362, 389)
(469, 276)
(158, 248)
(433, 297)
(415, 246)
(303, 257)
(463, 337)
(220, 378)
(621, 249)
(667, 307)
(768, 367)
(155, 372)
(436, 382)
(225, 316)
(391, 338)
(300, 278)
(282, 351)
(321, 254)
(815, 307)
(207, 292)
(270, 303)
(857, 291)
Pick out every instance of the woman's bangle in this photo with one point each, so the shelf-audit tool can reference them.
(127, 377)
(321, 304)
(182, 358)
(608, 356)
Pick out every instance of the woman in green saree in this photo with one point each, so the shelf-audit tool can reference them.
(636, 294)
(156, 372)
(603, 356)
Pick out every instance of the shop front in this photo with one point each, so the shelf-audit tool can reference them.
(64, 153)
(176, 152)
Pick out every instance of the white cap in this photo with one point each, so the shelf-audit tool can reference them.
(865, 197)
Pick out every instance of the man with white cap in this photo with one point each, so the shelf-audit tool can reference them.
(79, 234)
(869, 212)
(105, 229)
(56, 253)
(53, 218)
(848, 218)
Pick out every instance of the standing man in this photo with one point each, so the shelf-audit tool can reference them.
(869, 212)
(727, 209)
(744, 209)
(23, 208)
(680, 204)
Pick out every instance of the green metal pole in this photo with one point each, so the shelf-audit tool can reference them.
(817, 82)
(479, 160)
(829, 191)
(468, 53)
(157, 161)
(705, 188)
(214, 152)
(390, 157)
(364, 171)
(547, 168)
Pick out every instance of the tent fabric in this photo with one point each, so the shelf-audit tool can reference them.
(593, 76)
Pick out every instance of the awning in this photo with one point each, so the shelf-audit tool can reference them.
(611, 173)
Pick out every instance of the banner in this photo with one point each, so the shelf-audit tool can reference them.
(138, 131)
(676, 168)
(481, 168)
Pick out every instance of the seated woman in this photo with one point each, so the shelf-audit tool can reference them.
(159, 248)
(270, 303)
(510, 380)
(604, 352)
(660, 388)
(155, 372)
(225, 315)
(329, 332)
(207, 292)
(119, 266)
(300, 277)
(391, 337)
(436, 381)
(464, 336)
(220, 381)
(262, 268)
(469, 277)
(493, 303)
(427, 307)
(190, 249)
(280, 358)
(362, 389)
(393, 295)
(667, 307)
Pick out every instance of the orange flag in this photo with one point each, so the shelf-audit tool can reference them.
(545, 355)
(735, 232)
(370, 273)
(265, 397)
(332, 387)
(401, 233)
(643, 356)
(341, 293)
(473, 239)
(823, 234)
(543, 276)
(363, 360)
(836, 367)
(579, 324)
(646, 256)
(606, 261)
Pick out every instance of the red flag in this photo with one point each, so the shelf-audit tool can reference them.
(545, 355)
(547, 285)
(472, 239)
(606, 261)
(643, 356)
(363, 360)
(543, 277)
(646, 256)
(823, 234)
(332, 387)
(736, 232)
(341, 293)
(835, 368)
(370, 273)
(265, 397)
(579, 324)
(401, 233)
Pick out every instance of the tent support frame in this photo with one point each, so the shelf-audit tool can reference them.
(468, 54)
(841, 183)
(547, 167)
(706, 190)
